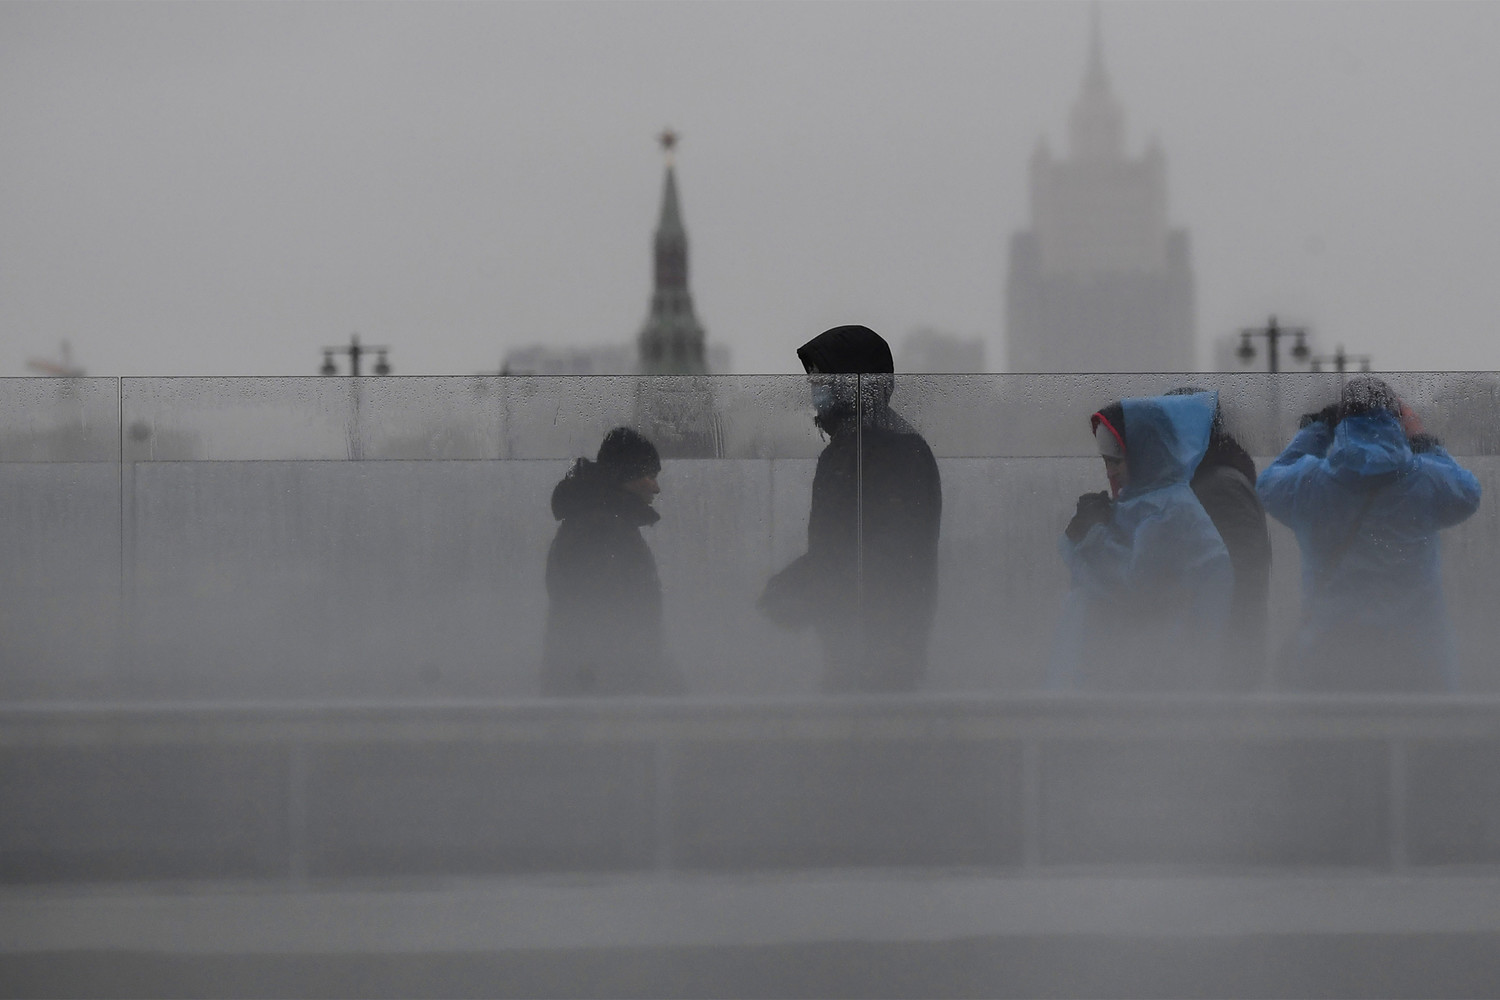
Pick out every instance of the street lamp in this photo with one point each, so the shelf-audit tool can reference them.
(354, 351)
(1341, 361)
(1273, 333)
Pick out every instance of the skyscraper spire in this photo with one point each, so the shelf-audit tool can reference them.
(671, 342)
(1096, 79)
(1097, 123)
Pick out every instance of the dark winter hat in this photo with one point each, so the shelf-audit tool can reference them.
(847, 350)
(626, 454)
(1367, 394)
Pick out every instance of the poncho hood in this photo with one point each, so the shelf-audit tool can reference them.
(1165, 438)
(1370, 445)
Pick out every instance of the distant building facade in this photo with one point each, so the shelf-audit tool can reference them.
(933, 351)
(1101, 281)
(543, 359)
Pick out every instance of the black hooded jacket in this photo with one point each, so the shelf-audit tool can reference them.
(604, 611)
(868, 581)
(1224, 484)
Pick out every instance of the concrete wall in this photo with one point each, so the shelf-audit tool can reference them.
(297, 793)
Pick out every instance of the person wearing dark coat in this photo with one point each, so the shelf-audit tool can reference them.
(1367, 492)
(1224, 484)
(604, 603)
(868, 581)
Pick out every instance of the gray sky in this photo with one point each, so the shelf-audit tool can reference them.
(224, 188)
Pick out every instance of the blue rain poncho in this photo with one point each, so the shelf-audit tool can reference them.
(1366, 511)
(1151, 586)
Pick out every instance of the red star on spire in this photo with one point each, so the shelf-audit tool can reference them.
(668, 140)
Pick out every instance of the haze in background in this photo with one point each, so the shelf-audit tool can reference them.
(223, 189)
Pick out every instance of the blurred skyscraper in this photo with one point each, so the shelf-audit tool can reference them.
(929, 350)
(1100, 282)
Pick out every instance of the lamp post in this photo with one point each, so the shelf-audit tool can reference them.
(355, 350)
(1272, 332)
(1341, 362)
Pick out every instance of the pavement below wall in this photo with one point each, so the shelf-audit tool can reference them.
(874, 933)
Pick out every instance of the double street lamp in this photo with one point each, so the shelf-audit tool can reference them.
(355, 350)
(1272, 333)
(1341, 361)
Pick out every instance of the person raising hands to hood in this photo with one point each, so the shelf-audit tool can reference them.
(1366, 492)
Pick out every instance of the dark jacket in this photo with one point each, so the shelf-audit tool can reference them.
(604, 610)
(1224, 484)
(868, 582)
(1366, 506)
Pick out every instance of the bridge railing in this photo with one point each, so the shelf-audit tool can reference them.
(384, 538)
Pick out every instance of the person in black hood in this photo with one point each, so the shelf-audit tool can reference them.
(868, 582)
(1224, 484)
(604, 608)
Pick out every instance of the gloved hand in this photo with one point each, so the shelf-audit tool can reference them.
(1327, 415)
(1411, 424)
(1093, 508)
(1420, 444)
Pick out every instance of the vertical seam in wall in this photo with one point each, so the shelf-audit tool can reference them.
(1031, 803)
(771, 513)
(1396, 808)
(122, 621)
(663, 804)
(295, 814)
(859, 508)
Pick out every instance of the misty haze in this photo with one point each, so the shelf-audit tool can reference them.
(1093, 596)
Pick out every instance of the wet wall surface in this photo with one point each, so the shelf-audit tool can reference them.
(284, 796)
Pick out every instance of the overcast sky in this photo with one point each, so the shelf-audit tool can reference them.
(224, 188)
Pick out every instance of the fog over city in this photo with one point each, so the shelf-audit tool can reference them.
(224, 188)
(588, 656)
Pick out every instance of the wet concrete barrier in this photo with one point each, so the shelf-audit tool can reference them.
(1043, 783)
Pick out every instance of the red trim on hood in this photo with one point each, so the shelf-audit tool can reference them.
(1100, 418)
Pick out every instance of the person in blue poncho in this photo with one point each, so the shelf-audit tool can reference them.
(1151, 578)
(1366, 493)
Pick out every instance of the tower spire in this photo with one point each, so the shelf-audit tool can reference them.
(671, 213)
(1096, 79)
(671, 342)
